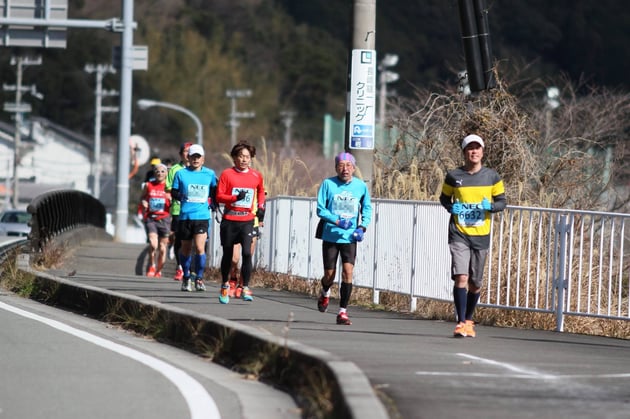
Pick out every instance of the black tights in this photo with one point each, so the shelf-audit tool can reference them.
(246, 266)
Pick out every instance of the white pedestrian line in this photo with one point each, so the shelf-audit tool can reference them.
(200, 403)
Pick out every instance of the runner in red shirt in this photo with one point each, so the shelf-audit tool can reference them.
(239, 188)
(156, 203)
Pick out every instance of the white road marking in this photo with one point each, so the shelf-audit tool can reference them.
(200, 403)
(519, 372)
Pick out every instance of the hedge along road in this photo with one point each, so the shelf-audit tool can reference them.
(59, 365)
(416, 366)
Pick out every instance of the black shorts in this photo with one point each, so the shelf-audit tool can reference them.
(331, 251)
(189, 228)
(233, 232)
(256, 232)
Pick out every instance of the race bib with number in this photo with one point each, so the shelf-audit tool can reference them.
(246, 202)
(471, 216)
(197, 193)
(345, 205)
(157, 204)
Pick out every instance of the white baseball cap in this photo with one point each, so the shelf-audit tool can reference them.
(472, 138)
(195, 149)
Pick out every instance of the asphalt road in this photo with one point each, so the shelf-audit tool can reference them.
(420, 370)
(56, 365)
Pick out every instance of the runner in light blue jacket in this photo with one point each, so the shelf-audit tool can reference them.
(345, 210)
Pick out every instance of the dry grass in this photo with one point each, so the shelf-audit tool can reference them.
(547, 158)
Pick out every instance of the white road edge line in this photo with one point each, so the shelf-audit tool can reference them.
(200, 403)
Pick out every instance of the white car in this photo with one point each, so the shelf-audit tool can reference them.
(15, 223)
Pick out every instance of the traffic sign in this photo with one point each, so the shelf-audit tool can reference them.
(362, 99)
(15, 108)
(139, 57)
(20, 35)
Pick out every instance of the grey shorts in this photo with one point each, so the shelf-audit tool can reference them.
(467, 261)
(160, 227)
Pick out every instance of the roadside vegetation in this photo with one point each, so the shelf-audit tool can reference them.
(571, 156)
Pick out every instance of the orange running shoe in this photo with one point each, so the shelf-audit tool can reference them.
(460, 330)
(232, 290)
(151, 271)
(470, 329)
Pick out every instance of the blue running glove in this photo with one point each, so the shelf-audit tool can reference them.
(457, 208)
(486, 205)
(345, 223)
(358, 234)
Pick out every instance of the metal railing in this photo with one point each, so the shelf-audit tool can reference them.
(56, 212)
(564, 262)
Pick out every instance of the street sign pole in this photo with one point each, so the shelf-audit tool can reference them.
(126, 76)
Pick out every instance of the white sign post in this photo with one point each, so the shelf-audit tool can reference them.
(362, 99)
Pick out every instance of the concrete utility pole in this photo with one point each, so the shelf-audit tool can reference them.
(234, 115)
(99, 93)
(19, 108)
(360, 114)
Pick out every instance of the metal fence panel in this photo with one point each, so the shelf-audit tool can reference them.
(540, 259)
(432, 259)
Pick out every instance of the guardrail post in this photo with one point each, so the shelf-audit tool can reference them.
(560, 282)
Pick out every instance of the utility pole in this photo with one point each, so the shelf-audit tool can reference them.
(360, 111)
(19, 108)
(99, 93)
(287, 120)
(234, 115)
(131, 58)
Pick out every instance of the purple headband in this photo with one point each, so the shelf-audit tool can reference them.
(345, 157)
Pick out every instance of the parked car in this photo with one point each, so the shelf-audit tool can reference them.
(15, 223)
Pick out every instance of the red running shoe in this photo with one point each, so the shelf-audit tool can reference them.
(342, 318)
(179, 275)
(322, 303)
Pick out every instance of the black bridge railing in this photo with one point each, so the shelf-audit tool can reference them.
(57, 212)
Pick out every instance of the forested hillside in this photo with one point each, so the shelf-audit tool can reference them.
(292, 54)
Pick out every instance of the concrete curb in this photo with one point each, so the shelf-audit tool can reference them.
(352, 392)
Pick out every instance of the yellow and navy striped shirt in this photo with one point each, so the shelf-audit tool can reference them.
(472, 225)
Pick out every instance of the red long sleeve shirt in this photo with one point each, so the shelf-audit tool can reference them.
(231, 182)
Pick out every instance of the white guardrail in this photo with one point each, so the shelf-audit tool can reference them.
(546, 260)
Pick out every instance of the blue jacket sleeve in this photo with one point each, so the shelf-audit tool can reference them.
(366, 209)
(323, 211)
